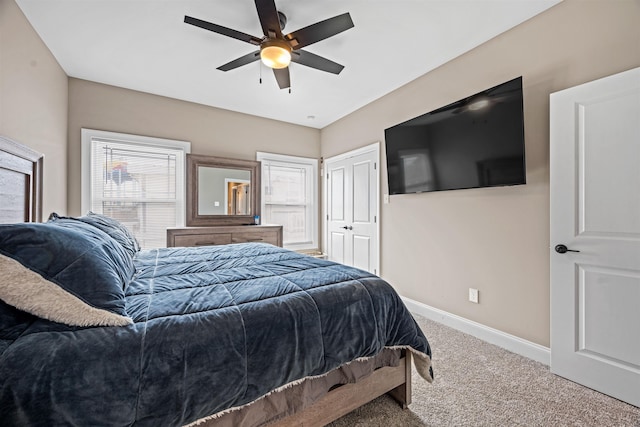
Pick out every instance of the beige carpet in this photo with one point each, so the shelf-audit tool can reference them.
(479, 384)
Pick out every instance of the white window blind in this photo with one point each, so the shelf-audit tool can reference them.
(289, 198)
(138, 181)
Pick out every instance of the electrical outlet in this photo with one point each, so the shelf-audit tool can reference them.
(474, 294)
(385, 199)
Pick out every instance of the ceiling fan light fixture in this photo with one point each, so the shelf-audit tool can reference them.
(275, 54)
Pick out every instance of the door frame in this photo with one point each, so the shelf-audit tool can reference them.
(375, 148)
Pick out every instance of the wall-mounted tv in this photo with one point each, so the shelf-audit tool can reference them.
(475, 142)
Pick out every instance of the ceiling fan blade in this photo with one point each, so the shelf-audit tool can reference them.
(282, 76)
(268, 15)
(319, 31)
(315, 61)
(223, 30)
(243, 60)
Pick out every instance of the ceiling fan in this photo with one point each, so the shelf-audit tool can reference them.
(277, 50)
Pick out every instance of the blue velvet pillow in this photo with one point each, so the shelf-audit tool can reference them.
(113, 228)
(63, 273)
(120, 256)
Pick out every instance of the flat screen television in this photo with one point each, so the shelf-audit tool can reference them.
(475, 142)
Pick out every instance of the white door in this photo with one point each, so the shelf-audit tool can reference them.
(352, 209)
(595, 211)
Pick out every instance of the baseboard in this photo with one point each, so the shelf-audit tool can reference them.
(501, 339)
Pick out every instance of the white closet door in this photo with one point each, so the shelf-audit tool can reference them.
(352, 206)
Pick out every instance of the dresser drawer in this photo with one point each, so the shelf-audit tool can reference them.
(263, 236)
(202, 239)
(224, 234)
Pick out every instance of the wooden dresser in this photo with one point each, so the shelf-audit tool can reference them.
(224, 234)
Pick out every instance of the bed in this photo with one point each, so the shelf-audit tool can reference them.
(95, 331)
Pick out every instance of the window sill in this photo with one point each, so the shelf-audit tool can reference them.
(314, 253)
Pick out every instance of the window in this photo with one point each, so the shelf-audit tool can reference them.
(289, 197)
(136, 180)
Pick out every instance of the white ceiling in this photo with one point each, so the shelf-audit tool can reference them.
(145, 45)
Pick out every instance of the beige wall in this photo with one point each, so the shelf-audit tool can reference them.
(211, 131)
(33, 100)
(435, 246)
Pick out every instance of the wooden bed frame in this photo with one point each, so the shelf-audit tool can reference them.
(21, 201)
(20, 183)
(396, 381)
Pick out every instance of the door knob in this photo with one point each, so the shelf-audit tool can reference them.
(347, 227)
(562, 249)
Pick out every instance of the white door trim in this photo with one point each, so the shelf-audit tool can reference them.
(374, 147)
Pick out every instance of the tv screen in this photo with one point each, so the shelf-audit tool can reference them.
(475, 142)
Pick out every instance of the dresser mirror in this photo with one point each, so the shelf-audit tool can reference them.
(222, 191)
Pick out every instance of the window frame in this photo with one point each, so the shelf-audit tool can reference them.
(314, 200)
(87, 136)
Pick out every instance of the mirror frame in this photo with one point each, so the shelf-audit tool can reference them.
(194, 161)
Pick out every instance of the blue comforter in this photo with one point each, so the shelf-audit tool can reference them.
(214, 327)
